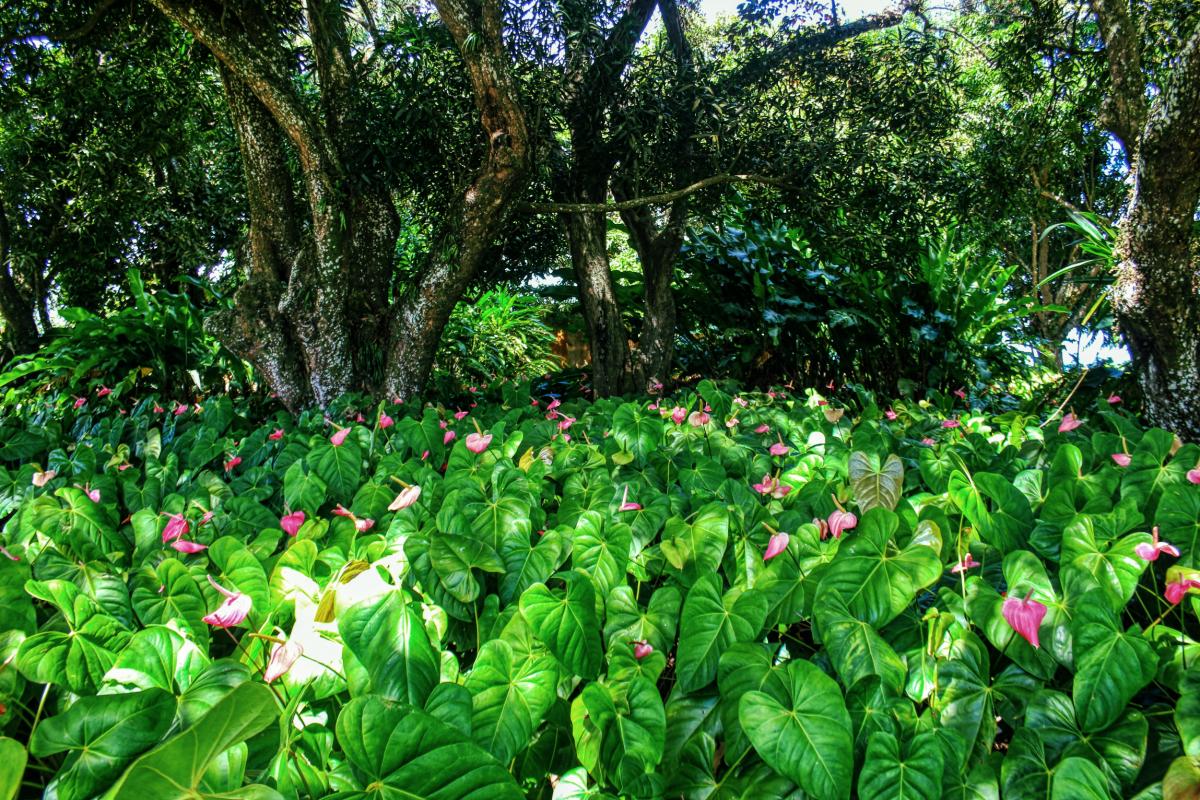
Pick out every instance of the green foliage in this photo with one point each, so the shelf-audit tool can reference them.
(950, 319)
(520, 621)
(501, 333)
(156, 345)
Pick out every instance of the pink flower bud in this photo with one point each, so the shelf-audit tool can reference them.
(283, 656)
(406, 498)
(291, 522)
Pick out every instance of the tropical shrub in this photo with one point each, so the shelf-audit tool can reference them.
(706, 596)
(158, 344)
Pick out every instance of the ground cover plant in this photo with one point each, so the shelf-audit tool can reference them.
(707, 595)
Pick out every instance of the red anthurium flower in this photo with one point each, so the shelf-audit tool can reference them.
(1114, 399)
(40, 479)
(642, 649)
(408, 495)
(449, 437)
(1177, 589)
(1122, 459)
(177, 526)
(385, 422)
(841, 521)
(891, 415)
(478, 442)
(627, 504)
(363, 525)
(968, 562)
(158, 409)
(1069, 423)
(779, 449)
(771, 394)
(232, 611)
(283, 656)
(185, 546)
(777, 544)
(822, 402)
(275, 435)
(233, 462)
(180, 409)
(425, 455)
(1024, 616)
(678, 415)
(339, 437)
(291, 522)
(1150, 550)
(103, 391)
(80, 402)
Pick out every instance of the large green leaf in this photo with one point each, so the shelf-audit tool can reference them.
(1111, 665)
(1115, 565)
(175, 770)
(78, 657)
(876, 486)
(619, 732)
(696, 548)
(996, 508)
(1119, 749)
(909, 772)
(402, 753)
(510, 695)
(1078, 779)
(808, 739)
(12, 767)
(101, 735)
(339, 467)
(387, 636)
(1178, 517)
(855, 648)
(636, 431)
(455, 558)
(712, 623)
(566, 622)
(303, 489)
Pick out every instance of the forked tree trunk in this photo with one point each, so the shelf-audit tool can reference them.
(16, 307)
(1157, 291)
(588, 237)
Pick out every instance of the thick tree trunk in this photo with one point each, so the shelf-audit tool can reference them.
(657, 251)
(611, 368)
(1157, 292)
(17, 308)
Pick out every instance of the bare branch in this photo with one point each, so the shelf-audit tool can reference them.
(654, 199)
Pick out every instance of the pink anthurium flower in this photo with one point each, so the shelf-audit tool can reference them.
(275, 435)
(1151, 550)
(928, 442)
(1193, 475)
(772, 486)
(764, 428)
(291, 522)
(732, 423)
(741, 401)
(553, 404)
(283, 656)
(4, 552)
(891, 415)
(951, 423)
(177, 526)
(359, 418)
(642, 649)
(40, 479)
(342, 511)
(1177, 589)
(627, 504)
(698, 419)
(841, 521)
(960, 393)
(459, 415)
(1024, 616)
(385, 422)
(208, 515)
(565, 423)
(180, 409)
(158, 409)
(363, 525)
(232, 611)
(103, 391)
(822, 527)
(449, 437)
(233, 462)
(1069, 423)
(443, 424)
(777, 544)
(478, 442)
(678, 415)
(408, 495)
(184, 546)
(1114, 399)
(93, 494)
(80, 402)
(822, 402)
(779, 449)
(968, 562)
(339, 437)
(1122, 459)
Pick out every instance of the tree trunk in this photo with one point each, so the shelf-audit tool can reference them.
(1157, 292)
(588, 237)
(20, 330)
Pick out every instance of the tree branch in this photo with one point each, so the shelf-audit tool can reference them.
(1125, 107)
(654, 199)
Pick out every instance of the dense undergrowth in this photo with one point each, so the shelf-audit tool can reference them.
(701, 596)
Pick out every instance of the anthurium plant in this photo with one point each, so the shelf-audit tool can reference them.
(705, 595)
